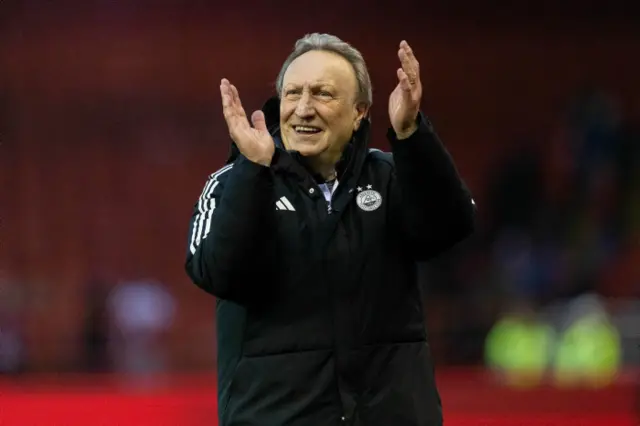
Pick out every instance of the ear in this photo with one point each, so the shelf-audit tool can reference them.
(361, 111)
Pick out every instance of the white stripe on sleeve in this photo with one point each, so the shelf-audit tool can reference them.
(206, 206)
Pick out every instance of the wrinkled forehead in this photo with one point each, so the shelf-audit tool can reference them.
(320, 67)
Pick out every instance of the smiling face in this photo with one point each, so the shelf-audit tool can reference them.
(318, 108)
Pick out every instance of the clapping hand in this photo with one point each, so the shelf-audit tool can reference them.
(255, 142)
(404, 102)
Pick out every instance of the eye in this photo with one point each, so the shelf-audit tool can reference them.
(292, 92)
(324, 94)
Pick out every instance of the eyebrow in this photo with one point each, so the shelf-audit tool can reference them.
(314, 84)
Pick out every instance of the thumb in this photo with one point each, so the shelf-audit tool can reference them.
(258, 120)
(404, 80)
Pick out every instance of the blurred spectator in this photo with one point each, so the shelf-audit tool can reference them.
(12, 345)
(515, 191)
(564, 226)
(95, 335)
(519, 347)
(140, 312)
(589, 348)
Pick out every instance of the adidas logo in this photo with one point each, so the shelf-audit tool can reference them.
(284, 204)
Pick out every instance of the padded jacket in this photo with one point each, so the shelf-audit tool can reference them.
(319, 314)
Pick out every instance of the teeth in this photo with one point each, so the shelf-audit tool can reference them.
(306, 129)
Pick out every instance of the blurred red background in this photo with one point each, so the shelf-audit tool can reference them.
(111, 121)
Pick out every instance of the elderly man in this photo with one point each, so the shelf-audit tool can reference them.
(309, 240)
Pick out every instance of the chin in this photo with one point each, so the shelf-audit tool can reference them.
(309, 150)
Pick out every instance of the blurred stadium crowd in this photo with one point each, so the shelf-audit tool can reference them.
(104, 108)
(551, 282)
(548, 287)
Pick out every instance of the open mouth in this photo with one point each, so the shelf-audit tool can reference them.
(306, 130)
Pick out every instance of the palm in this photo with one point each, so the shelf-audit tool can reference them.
(396, 106)
(255, 142)
(252, 139)
(404, 101)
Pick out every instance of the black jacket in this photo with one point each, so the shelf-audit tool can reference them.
(319, 313)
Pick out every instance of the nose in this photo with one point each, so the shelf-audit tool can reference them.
(304, 108)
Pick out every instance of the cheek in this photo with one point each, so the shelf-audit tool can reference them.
(285, 112)
(340, 120)
(345, 125)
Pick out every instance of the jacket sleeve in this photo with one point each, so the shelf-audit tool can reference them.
(431, 207)
(229, 228)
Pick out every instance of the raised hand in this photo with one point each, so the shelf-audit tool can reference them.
(404, 101)
(255, 142)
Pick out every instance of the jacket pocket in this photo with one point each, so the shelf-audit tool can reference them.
(296, 389)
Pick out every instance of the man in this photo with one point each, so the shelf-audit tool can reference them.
(309, 240)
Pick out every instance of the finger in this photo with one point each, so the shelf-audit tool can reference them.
(405, 84)
(406, 65)
(409, 63)
(225, 94)
(237, 103)
(258, 120)
(408, 60)
(235, 94)
(230, 92)
(226, 85)
(409, 69)
(227, 109)
(230, 98)
(231, 107)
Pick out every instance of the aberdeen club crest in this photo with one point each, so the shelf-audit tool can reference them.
(368, 199)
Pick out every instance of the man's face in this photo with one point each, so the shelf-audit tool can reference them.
(318, 109)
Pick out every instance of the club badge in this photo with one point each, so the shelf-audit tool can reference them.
(368, 199)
